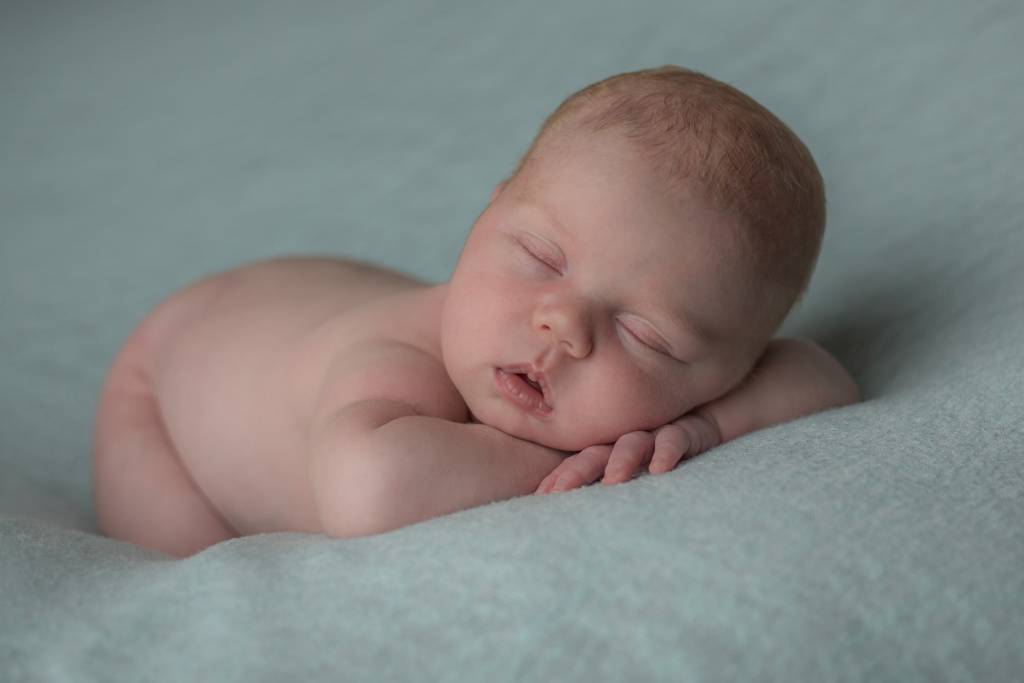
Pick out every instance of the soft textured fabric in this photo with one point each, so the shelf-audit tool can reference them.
(143, 145)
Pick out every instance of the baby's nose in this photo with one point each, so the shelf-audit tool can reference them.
(566, 325)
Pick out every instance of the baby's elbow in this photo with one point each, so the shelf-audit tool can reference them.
(827, 382)
(360, 493)
(837, 385)
(846, 391)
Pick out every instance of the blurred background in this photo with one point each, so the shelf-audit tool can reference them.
(144, 145)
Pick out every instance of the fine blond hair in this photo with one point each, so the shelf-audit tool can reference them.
(704, 134)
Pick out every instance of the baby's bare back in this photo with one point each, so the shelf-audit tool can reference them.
(236, 363)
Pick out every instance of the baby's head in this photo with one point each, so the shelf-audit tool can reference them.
(706, 138)
(637, 262)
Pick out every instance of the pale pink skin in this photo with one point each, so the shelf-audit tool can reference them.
(617, 295)
(323, 395)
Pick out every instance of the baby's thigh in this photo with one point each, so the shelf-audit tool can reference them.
(129, 417)
(142, 490)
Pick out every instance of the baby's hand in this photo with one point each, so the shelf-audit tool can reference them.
(661, 450)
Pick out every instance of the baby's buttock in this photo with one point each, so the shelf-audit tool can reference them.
(235, 367)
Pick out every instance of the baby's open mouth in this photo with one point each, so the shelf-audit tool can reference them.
(523, 389)
(529, 381)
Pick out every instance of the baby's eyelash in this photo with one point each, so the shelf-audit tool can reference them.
(645, 341)
(534, 253)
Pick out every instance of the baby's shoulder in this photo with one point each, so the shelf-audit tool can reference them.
(389, 348)
(392, 370)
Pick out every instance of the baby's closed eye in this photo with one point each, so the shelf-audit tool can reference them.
(641, 335)
(540, 252)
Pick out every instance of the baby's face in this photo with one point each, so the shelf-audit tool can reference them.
(590, 302)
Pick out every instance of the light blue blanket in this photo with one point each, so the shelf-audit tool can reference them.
(143, 145)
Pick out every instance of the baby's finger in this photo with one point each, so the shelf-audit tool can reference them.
(576, 470)
(630, 451)
(670, 442)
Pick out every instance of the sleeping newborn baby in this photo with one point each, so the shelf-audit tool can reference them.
(612, 311)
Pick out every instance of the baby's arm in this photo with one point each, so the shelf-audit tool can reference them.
(792, 379)
(390, 446)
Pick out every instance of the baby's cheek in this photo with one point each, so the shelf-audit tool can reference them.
(606, 421)
(652, 405)
(617, 400)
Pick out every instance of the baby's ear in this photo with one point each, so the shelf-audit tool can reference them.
(498, 189)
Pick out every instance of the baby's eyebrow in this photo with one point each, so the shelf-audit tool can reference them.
(540, 210)
(679, 316)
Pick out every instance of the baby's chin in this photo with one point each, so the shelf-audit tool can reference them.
(550, 436)
(528, 431)
(564, 432)
(559, 442)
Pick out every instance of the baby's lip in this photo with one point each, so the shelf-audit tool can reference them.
(525, 386)
(532, 375)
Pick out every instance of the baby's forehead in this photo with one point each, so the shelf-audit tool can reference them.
(675, 169)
